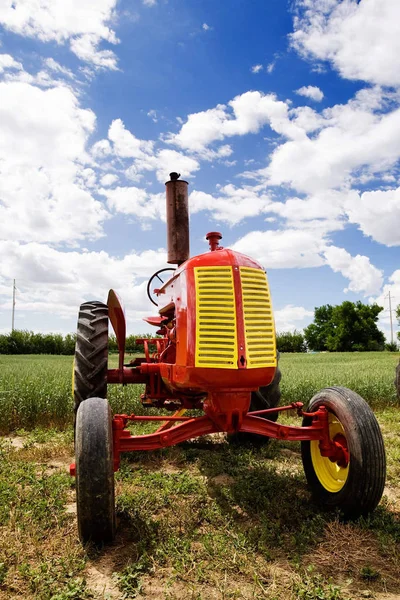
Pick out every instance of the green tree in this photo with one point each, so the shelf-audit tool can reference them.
(288, 341)
(133, 347)
(112, 343)
(317, 333)
(69, 343)
(28, 342)
(348, 327)
(4, 347)
(391, 347)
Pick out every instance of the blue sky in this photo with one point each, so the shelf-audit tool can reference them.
(283, 116)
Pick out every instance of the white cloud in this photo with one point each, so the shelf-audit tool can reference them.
(165, 162)
(324, 209)
(224, 151)
(44, 182)
(145, 158)
(306, 119)
(362, 275)
(125, 144)
(353, 136)
(307, 247)
(43, 78)
(211, 155)
(256, 68)
(378, 215)
(129, 200)
(53, 65)
(149, 2)
(108, 179)
(7, 62)
(201, 129)
(87, 177)
(132, 173)
(288, 317)
(283, 249)
(153, 115)
(206, 27)
(270, 67)
(360, 39)
(135, 201)
(56, 283)
(231, 205)
(85, 48)
(101, 149)
(311, 91)
(246, 113)
(85, 24)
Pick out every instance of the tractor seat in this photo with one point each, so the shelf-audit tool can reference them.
(156, 321)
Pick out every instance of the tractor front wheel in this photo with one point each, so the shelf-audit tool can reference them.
(91, 353)
(267, 396)
(95, 500)
(355, 485)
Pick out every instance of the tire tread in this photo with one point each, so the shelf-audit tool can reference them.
(95, 495)
(91, 352)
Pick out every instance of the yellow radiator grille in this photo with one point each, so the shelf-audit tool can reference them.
(258, 319)
(216, 344)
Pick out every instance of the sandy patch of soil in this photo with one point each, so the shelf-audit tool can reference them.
(99, 580)
(16, 441)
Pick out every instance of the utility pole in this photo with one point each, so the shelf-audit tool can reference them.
(13, 306)
(391, 319)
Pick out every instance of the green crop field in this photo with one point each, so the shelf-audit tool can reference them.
(36, 390)
(200, 521)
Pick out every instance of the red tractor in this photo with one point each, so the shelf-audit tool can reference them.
(216, 353)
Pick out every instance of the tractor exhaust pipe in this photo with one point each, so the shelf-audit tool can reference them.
(177, 220)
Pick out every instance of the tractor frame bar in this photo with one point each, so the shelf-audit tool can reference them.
(170, 434)
(187, 428)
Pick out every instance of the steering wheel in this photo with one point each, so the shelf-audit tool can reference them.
(156, 275)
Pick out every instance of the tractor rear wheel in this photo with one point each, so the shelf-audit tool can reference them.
(91, 353)
(267, 396)
(354, 486)
(95, 472)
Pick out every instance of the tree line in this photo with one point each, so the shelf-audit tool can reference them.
(28, 342)
(347, 327)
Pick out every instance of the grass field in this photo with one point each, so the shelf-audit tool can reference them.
(200, 521)
(35, 390)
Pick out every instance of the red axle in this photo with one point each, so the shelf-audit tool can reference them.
(191, 427)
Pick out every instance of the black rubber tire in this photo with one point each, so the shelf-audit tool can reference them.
(265, 397)
(365, 481)
(91, 353)
(95, 496)
(397, 381)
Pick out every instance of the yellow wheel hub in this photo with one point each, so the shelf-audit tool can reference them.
(331, 475)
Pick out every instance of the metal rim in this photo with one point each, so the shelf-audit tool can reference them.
(330, 474)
